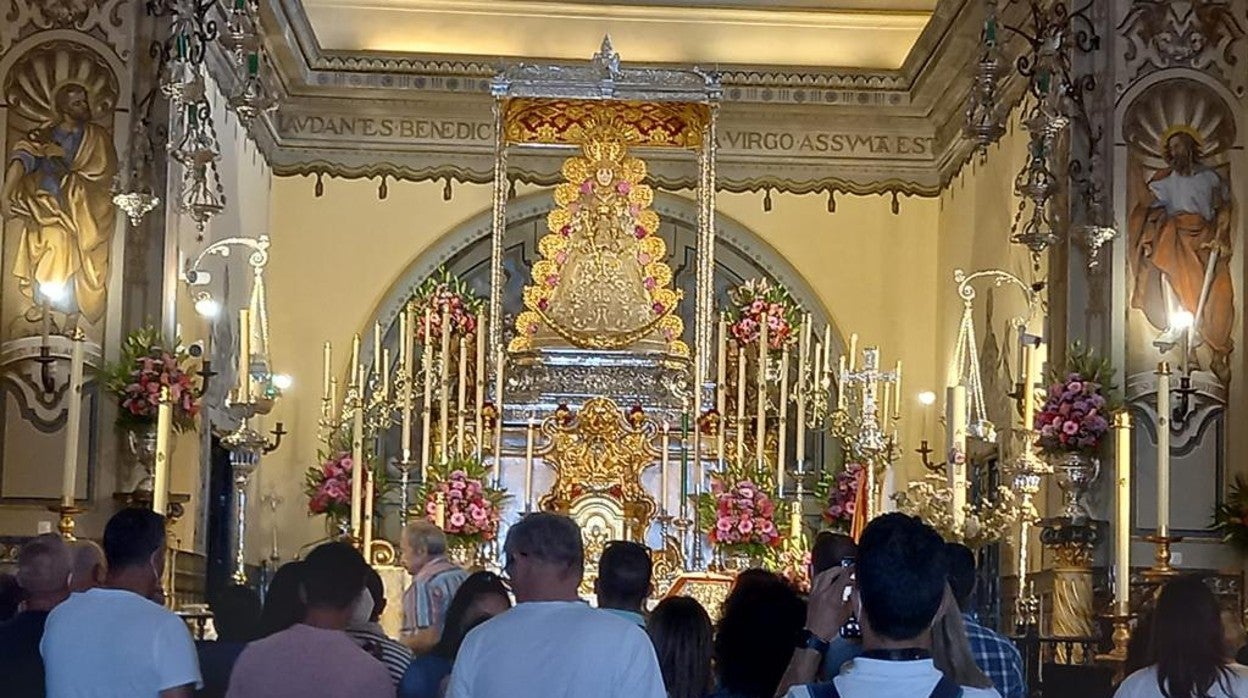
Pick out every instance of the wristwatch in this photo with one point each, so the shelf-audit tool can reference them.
(807, 640)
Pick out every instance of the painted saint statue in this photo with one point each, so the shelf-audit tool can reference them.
(57, 183)
(1181, 246)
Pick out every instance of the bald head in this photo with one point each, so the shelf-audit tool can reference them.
(89, 567)
(43, 571)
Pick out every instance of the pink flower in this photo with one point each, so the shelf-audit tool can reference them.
(623, 187)
(649, 283)
(457, 520)
(1070, 428)
(723, 524)
(745, 526)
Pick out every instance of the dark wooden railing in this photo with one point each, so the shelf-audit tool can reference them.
(1055, 665)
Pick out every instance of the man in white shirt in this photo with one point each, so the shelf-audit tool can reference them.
(111, 640)
(898, 582)
(553, 645)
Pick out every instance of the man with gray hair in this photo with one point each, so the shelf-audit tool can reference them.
(552, 643)
(89, 566)
(43, 573)
(435, 580)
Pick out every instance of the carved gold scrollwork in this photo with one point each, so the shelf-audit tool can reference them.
(598, 458)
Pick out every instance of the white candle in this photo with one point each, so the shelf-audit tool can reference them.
(740, 435)
(355, 354)
(896, 406)
(73, 422)
(664, 447)
(1163, 449)
(405, 334)
(244, 357)
(444, 395)
(955, 438)
(385, 371)
(357, 455)
(479, 396)
(528, 464)
(803, 357)
(426, 407)
(376, 347)
(853, 349)
(1122, 528)
(326, 369)
(160, 479)
(760, 423)
(461, 397)
(721, 389)
(782, 427)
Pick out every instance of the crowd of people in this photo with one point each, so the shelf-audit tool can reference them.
(888, 617)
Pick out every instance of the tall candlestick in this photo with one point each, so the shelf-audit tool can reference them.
(498, 408)
(665, 445)
(406, 364)
(461, 397)
(479, 397)
(1163, 449)
(385, 371)
(795, 519)
(883, 415)
(444, 396)
(955, 425)
(721, 389)
(1122, 528)
(357, 453)
(439, 510)
(355, 354)
(377, 347)
(1029, 387)
(160, 478)
(803, 352)
(244, 357)
(782, 427)
(73, 421)
(853, 350)
(426, 405)
(842, 383)
(333, 401)
(405, 334)
(740, 406)
(327, 362)
(760, 409)
(896, 407)
(684, 463)
(528, 464)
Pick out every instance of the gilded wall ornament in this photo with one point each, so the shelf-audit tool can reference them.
(1200, 34)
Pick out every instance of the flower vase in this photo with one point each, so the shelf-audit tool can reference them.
(140, 444)
(735, 560)
(1075, 474)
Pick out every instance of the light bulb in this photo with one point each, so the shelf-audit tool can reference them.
(53, 291)
(927, 398)
(208, 307)
(282, 381)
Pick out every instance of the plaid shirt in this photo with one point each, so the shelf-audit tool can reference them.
(998, 658)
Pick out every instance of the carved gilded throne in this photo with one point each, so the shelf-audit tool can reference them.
(598, 456)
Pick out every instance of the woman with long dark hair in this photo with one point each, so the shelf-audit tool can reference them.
(481, 597)
(758, 626)
(681, 632)
(1188, 649)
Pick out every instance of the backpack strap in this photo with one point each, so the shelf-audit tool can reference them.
(946, 688)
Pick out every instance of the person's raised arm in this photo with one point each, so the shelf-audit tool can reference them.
(826, 612)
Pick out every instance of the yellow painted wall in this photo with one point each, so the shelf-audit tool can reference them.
(335, 257)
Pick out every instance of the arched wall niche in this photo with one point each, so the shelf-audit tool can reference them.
(740, 254)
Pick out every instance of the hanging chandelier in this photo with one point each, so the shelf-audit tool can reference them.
(984, 122)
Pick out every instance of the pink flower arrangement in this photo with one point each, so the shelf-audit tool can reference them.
(443, 294)
(757, 302)
(328, 485)
(470, 508)
(149, 363)
(841, 495)
(1075, 415)
(743, 516)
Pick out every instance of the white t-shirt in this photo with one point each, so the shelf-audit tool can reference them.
(554, 649)
(1143, 684)
(876, 678)
(108, 642)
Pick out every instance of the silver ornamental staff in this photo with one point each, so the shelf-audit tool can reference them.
(405, 360)
(803, 351)
(760, 426)
(426, 407)
(479, 399)
(784, 416)
(498, 420)
(444, 396)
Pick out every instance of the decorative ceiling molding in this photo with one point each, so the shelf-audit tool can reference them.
(795, 130)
